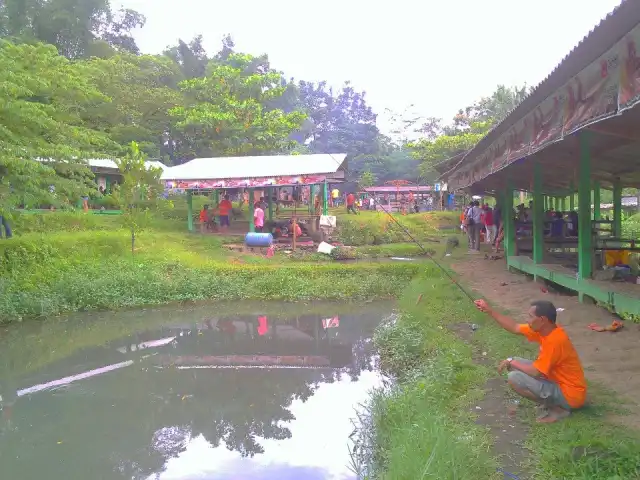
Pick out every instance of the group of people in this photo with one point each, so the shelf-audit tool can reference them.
(481, 221)
(221, 211)
(557, 224)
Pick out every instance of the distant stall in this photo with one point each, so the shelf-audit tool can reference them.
(388, 196)
(265, 173)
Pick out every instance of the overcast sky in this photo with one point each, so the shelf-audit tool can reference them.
(438, 55)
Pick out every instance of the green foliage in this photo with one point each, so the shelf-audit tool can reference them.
(140, 191)
(142, 89)
(45, 275)
(367, 179)
(469, 125)
(78, 28)
(226, 113)
(43, 95)
(376, 228)
(428, 409)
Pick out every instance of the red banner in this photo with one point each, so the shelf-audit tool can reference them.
(630, 70)
(519, 139)
(593, 93)
(547, 122)
(245, 183)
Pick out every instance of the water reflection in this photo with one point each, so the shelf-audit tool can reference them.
(250, 396)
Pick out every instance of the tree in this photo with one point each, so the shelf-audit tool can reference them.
(139, 192)
(142, 89)
(367, 179)
(342, 122)
(191, 57)
(71, 25)
(226, 112)
(469, 125)
(42, 137)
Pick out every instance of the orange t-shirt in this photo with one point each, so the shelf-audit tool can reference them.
(559, 362)
(225, 207)
(204, 216)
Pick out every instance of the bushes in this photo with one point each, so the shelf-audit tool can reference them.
(48, 274)
(377, 228)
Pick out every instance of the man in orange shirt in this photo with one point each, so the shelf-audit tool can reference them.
(225, 209)
(555, 380)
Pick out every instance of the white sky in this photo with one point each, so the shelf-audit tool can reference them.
(317, 450)
(438, 55)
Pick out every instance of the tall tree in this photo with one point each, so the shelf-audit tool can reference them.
(468, 126)
(71, 25)
(140, 190)
(142, 89)
(191, 57)
(227, 114)
(42, 97)
(342, 122)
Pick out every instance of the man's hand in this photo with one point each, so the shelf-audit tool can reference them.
(504, 365)
(482, 306)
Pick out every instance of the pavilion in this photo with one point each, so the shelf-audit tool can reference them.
(577, 131)
(268, 173)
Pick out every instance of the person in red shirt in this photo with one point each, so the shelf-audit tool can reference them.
(490, 224)
(225, 209)
(351, 201)
(204, 218)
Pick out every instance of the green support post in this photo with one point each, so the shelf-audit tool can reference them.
(252, 226)
(312, 194)
(617, 208)
(325, 204)
(596, 201)
(585, 265)
(572, 198)
(270, 202)
(190, 210)
(216, 197)
(538, 215)
(563, 204)
(509, 227)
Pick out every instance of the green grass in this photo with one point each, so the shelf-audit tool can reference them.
(422, 429)
(44, 275)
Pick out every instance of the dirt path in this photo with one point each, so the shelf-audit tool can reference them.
(609, 359)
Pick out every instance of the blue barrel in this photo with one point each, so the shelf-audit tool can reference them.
(256, 239)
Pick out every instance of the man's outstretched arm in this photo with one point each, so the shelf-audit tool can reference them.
(505, 322)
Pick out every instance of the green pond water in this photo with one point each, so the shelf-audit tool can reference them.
(266, 392)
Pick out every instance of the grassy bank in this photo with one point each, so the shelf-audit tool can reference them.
(424, 427)
(63, 262)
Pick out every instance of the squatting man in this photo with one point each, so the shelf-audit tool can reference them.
(555, 380)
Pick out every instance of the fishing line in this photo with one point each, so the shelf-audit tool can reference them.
(424, 250)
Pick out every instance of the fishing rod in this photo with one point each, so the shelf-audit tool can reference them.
(414, 240)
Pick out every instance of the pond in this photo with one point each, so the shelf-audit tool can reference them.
(266, 392)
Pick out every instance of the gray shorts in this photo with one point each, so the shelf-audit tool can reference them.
(547, 391)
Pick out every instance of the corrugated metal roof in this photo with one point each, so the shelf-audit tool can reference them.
(226, 168)
(601, 38)
(108, 163)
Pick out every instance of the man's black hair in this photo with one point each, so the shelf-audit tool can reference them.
(545, 308)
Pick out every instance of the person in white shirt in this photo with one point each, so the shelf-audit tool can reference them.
(474, 226)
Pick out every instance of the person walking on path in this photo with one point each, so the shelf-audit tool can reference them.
(474, 225)
(489, 224)
(555, 380)
(351, 202)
